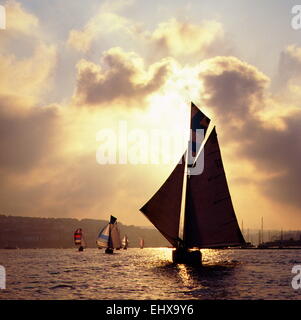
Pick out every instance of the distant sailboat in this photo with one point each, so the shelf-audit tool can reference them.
(109, 237)
(125, 242)
(141, 243)
(79, 239)
(208, 219)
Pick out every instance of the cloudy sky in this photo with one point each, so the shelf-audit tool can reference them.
(70, 69)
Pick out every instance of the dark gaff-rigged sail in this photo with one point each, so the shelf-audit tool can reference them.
(164, 208)
(210, 219)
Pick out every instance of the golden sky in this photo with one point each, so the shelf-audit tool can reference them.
(71, 69)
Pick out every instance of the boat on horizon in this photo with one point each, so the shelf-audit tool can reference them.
(141, 243)
(125, 242)
(195, 211)
(10, 247)
(79, 239)
(109, 237)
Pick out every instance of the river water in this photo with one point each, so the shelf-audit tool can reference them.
(148, 273)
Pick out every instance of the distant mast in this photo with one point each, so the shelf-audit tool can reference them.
(262, 239)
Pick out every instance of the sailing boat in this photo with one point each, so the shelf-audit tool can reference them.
(125, 242)
(141, 242)
(79, 239)
(109, 237)
(207, 219)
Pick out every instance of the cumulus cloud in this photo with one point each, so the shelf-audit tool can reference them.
(233, 88)
(18, 19)
(29, 77)
(288, 80)
(169, 38)
(120, 75)
(236, 93)
(105, 22)
(290, 63)
(174, 37)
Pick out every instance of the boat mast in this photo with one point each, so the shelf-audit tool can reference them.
(110, 237)
(183, 200)
(184, 188)
(188, 166)
(262, 230)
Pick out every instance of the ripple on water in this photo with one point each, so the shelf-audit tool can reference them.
(148, 274)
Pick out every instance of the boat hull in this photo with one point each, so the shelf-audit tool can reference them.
(187, 256)
(109, 251)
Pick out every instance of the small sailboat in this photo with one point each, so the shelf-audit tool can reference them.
(195, 211)
(79, 239)
(109, 237)
(141, 243)
(125, 242)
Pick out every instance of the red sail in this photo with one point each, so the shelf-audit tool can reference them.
(78, 236)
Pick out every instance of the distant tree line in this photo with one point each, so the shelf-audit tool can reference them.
(28, 232)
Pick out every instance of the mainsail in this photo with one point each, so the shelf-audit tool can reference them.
(103, 237)
(125, 242)
(209, 217)
(115, 241)
(109, 236)
(164, 208)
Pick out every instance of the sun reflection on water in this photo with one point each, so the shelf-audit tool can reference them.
(184, 274)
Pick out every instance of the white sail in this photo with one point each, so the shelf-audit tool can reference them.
(141, 243)
(84, 243)
(103, 237)
(125, 242)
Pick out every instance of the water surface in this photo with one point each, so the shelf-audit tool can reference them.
(148, 274)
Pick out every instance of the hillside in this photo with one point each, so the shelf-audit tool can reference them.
(28, 232)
